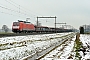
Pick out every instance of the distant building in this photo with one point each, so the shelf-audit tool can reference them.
(86, 28)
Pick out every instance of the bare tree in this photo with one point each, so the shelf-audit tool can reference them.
(5, 28)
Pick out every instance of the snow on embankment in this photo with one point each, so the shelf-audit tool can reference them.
(69, 51)
(20, 46)
(85, 39)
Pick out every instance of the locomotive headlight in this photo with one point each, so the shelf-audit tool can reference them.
(15, 27)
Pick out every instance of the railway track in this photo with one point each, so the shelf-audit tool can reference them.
(39, 55)
(19, 34)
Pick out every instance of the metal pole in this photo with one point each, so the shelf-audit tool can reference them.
(37, 21)
(55, 24)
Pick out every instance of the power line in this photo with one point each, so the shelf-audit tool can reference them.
(9, 14)
(13, 10)
(18, 6)
(25, 8)
(9, 10)
(11, 4)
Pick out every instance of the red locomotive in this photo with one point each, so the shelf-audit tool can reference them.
(27, 27)
(22, 26)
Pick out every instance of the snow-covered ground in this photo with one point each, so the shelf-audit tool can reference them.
(61, 53)
(85, 39)
(67, 51)
(17, 47)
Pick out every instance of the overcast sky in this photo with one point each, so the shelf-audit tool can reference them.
(72, 12)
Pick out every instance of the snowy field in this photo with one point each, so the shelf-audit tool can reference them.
(18, 47)
(67, 51)
(85, 39)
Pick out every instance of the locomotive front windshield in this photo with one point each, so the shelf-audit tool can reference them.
(16, 24)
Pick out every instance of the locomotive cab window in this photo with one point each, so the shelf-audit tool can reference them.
(15, 24)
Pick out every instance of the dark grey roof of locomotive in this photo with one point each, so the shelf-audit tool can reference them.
(24, 21)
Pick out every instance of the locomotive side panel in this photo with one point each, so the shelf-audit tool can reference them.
(20, 26)
(28, 27)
